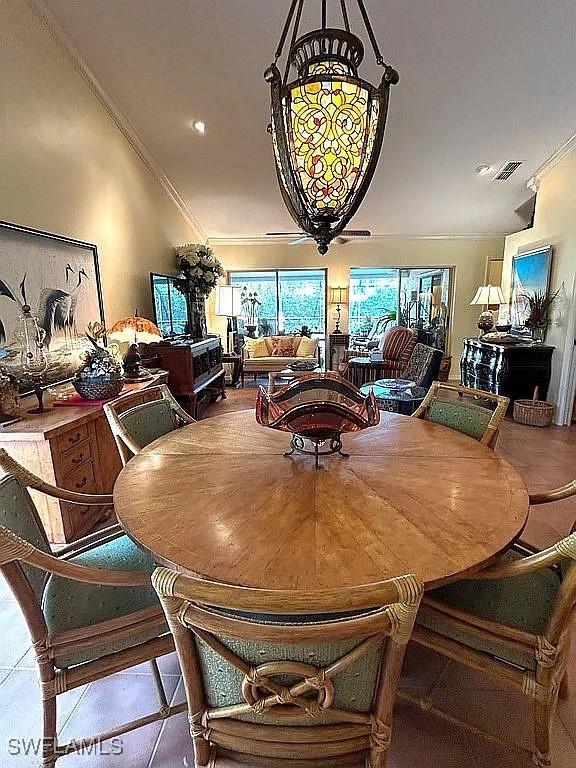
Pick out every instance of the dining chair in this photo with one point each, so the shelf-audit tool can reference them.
(471, 411)
(273, 676)
(138, 418)
(511, 622)
(90, 609)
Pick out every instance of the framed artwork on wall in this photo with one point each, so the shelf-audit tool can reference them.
(59, 279)
(530, 275)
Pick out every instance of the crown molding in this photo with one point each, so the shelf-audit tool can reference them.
(56, 31)
(287, 239)
(534, 181)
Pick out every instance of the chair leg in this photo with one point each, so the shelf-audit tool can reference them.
(159, 685)
(543, 716)
(49, 756)
(564, 692)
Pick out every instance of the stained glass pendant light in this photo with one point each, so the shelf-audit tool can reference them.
(328, 124)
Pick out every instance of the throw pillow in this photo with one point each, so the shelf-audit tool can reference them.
(282, 346)
(307, 347)
(258, 347)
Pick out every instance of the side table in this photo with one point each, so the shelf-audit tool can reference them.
(235, 361)
(362, 370)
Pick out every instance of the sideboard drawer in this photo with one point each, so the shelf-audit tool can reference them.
(71, 438)
(73, 458)
(82, 480)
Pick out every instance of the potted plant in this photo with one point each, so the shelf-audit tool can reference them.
(199, 271)
(539, 306)
(100, 377)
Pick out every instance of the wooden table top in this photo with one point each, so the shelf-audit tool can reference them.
(218, 499)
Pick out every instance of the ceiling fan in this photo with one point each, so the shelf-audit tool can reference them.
(344, 237)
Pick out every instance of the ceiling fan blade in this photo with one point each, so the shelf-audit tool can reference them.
(357, 233)
(284, 234)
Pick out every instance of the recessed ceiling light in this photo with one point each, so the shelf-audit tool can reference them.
(482, 170)
(200, 126)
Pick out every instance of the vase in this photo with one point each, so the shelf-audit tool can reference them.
(197, 316)
(538, 334)
(100, 377)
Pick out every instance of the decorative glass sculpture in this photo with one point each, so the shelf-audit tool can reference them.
(317, 408)
(33, 356)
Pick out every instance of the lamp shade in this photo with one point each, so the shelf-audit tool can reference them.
(135, 329)
(228, 301)
(487, 295)
(338, 295)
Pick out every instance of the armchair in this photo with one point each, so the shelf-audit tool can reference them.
(138, 418)
(280, 685)
(512, 622)
(90, 609)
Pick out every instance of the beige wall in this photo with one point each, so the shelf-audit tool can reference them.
(65, 167)
(468, 257)
(554, 224)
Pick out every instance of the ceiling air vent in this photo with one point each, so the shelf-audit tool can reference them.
(507, 170)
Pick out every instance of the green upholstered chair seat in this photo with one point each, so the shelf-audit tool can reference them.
(355, 687)
(522, 602)
(71, 604)
(149, 421)
(460, 415)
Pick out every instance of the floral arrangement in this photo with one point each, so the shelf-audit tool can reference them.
(199, 269)
(100, 361)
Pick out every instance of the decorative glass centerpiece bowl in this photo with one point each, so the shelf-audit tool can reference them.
(317, 409)
(100, 377)
(395, 385)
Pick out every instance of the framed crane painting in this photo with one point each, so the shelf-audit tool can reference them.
(58, 279)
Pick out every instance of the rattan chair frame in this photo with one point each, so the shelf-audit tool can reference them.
(14, 551)
(492, 430)
(191, 606)
(550, 650)
(128, 403)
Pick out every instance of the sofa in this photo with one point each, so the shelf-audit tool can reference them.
(274, 353)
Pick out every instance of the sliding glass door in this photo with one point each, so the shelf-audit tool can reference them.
(288, 299)
(417, 297)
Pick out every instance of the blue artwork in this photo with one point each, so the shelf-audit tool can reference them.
(530, 275)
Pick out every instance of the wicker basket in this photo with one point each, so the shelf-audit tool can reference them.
(534, 413)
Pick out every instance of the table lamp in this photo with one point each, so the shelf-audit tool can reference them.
(485, 296)
(229, 305)
(135, 330)
(338, 296)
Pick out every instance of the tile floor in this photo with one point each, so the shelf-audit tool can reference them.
(545, 458)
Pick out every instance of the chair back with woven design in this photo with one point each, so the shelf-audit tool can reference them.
(423, 366)
(278, 675)
(474, 412)
(138, 418)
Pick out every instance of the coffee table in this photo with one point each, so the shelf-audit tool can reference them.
(287, 374)
(389, 399)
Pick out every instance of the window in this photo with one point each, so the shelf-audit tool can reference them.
(288, 299)
(417, 298)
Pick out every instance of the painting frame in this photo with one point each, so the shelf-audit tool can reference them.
(531, 272)
(22, 249)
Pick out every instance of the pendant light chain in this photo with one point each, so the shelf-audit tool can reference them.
(285, 30)
(345, 15)
(368, 25)
(294, 37)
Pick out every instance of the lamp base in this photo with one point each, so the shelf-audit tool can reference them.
(485, 323)
(133, 370)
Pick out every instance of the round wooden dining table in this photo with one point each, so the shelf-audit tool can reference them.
(220, 500)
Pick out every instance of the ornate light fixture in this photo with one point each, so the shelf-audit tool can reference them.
(328, 124)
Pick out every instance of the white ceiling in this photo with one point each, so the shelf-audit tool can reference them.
(482, 81)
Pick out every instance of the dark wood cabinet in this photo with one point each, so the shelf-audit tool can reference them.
(195, 371)
(513, 370)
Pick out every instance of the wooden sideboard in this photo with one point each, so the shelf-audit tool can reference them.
(513, 370)
(71, 447)
(195, 370)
